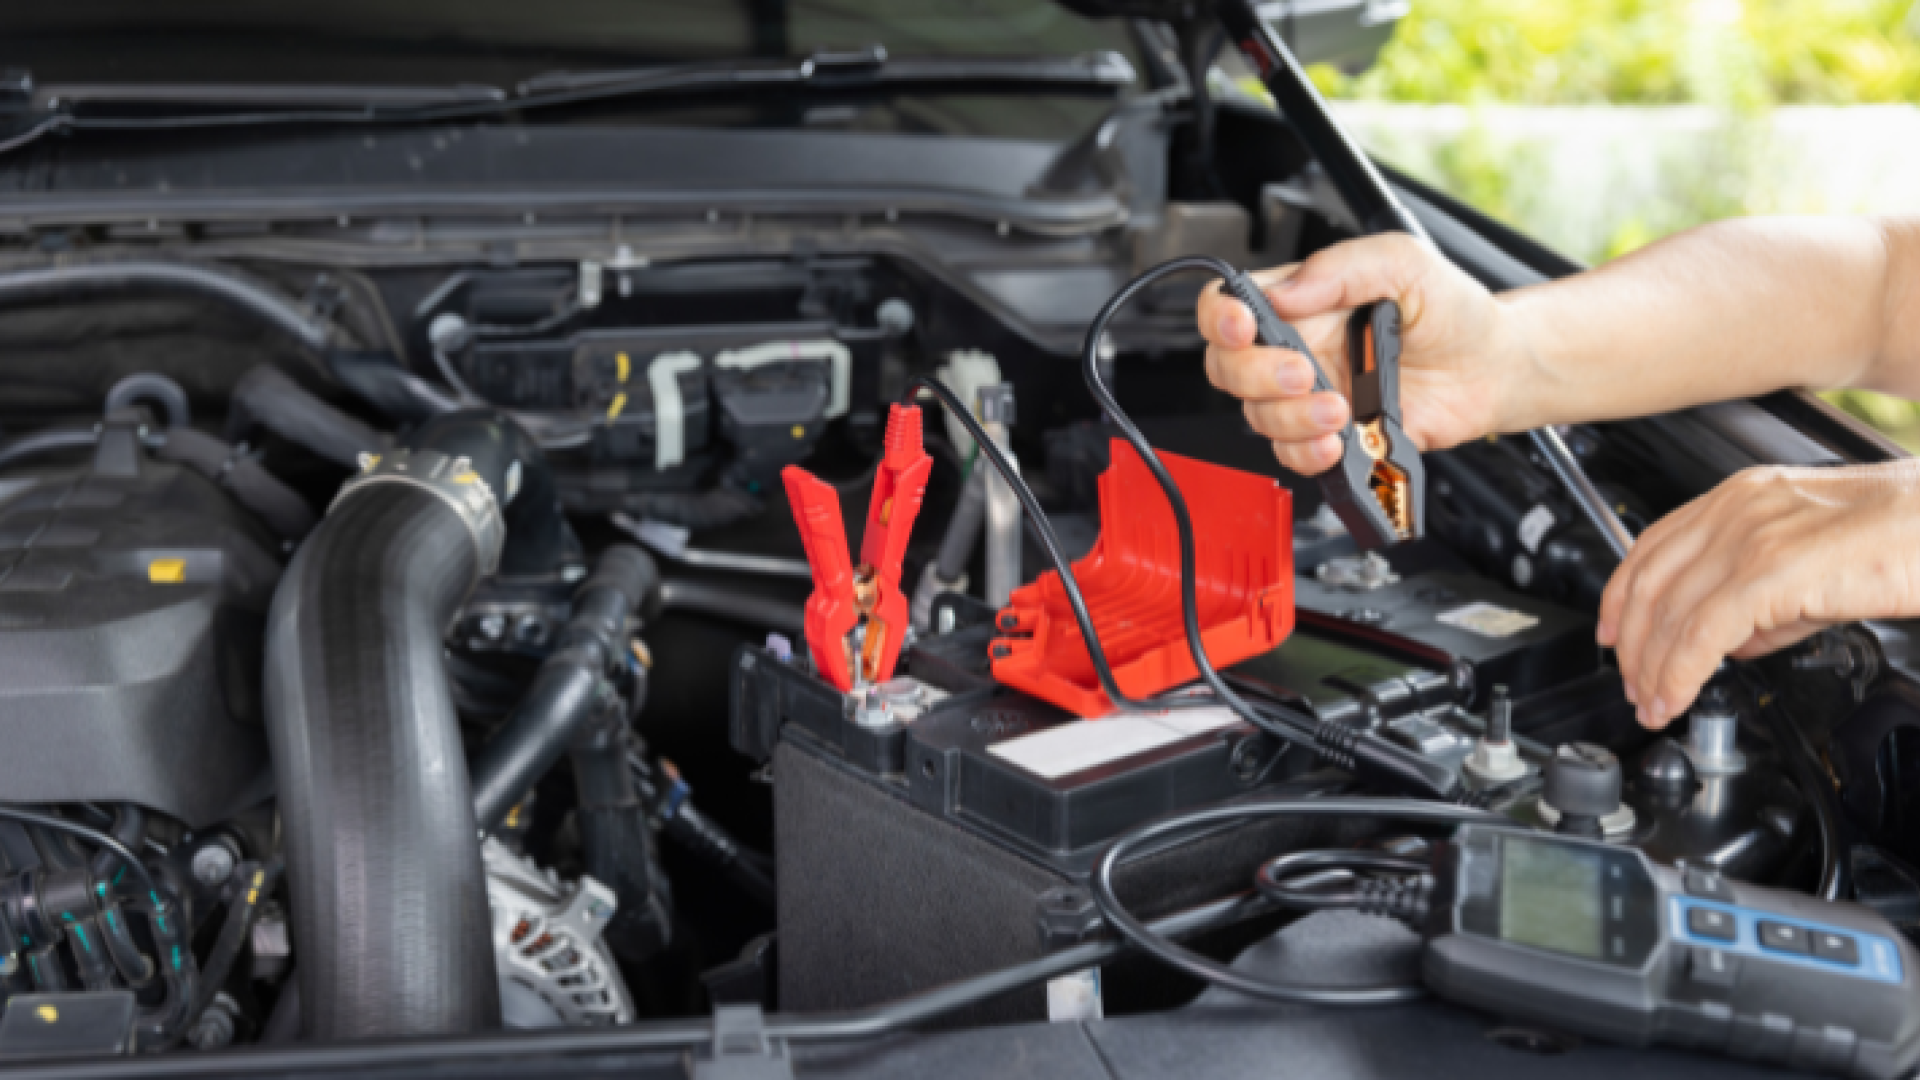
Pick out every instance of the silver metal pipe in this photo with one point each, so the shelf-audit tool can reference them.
(1003, 506)
(1574, 479)
(670, 542)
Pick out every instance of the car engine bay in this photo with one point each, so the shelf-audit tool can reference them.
(405, 631)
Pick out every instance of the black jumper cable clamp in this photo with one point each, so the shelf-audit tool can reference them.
(1379, 488)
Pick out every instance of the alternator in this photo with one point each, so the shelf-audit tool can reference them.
(554, 969)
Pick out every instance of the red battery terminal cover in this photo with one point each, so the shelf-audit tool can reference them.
(847, 598)
(1243, 547)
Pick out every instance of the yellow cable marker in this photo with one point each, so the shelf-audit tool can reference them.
(622, 366)
(48, 1013)
(619, 403)
(167, 571)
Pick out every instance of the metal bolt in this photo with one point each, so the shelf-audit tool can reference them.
(1246, 761)
(1713, 732)
(1494, 758)
(213, 864)
(1500, 717)
(492, 626)
(530, 630)
(871, 709)
(901, 692)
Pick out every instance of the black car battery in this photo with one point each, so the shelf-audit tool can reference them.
(954, 834)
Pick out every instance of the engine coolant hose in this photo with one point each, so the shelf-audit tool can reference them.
(569, 685)
(390, 916)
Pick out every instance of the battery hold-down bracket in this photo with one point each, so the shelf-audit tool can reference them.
(1243, 563)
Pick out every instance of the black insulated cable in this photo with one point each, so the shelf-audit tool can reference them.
(93, 836)
(670, 801)
(129, 827)
(963, 530)
(1402, 890)
(1803, 765)
(250, 884)
(548, 1047)
(1161, 948)
(132, 964)
(1042, 529)
(1296, 880)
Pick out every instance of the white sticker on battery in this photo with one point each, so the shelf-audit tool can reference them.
(1534, 525)
(1489, 620)
(1085, 744)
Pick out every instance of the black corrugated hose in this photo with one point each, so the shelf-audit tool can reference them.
(383, 863)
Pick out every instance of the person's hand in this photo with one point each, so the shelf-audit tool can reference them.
(1764, 560)
(1461, 359)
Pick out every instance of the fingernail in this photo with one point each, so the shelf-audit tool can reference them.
(1604, 633)
(1224, 326)
(1659, 709)
(1640, 717)
(1631, 696)
(1326, 412)
(1294, 379)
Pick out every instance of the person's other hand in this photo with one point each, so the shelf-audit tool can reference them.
(1461, 360)
(1764, 560)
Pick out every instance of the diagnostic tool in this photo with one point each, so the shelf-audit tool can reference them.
(1595, 940)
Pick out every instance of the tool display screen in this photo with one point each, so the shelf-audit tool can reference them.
(1550, 896)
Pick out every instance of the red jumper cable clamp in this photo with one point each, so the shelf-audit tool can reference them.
(857, 616)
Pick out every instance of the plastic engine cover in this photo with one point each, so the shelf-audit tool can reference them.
(132, 600)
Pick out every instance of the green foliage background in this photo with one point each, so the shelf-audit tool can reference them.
(1746, 55)
(1741, 56)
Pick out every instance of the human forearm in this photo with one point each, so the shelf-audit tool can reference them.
(1728, 310)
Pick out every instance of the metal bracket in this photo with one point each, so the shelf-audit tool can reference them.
(741, 1049)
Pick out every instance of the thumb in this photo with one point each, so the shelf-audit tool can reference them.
(1350, 274)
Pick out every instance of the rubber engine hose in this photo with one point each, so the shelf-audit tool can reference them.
(567, 689)
(390, 916)
(539, 539)
(269, 398)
